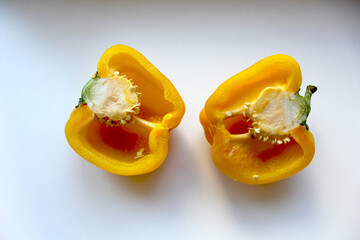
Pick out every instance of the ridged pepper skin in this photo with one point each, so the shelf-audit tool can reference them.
(234, 150)
(116, 148)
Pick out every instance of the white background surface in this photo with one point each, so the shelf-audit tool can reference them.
(50, 49)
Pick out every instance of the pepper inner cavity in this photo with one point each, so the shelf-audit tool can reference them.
(237, 125)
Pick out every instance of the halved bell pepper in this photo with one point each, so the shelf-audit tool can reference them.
(124, 115)
(256, 122)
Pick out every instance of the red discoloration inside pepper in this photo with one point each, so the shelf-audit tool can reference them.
(117, 137)
(239, 127)
(274, 151)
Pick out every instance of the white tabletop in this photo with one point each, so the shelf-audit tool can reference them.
(48, 50)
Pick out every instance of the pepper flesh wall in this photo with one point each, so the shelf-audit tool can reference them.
(256, 122)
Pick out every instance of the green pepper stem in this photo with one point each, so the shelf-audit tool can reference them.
(310, 90)
(86, 89)
(81, 101)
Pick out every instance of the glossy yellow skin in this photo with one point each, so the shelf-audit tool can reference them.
(114, 148)
(237, 156)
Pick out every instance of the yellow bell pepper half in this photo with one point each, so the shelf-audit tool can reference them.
(256, 122)
(124, 115)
